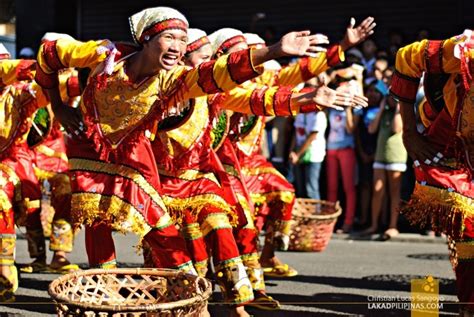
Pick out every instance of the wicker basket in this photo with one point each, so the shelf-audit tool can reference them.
(313, 224)
(130, 292)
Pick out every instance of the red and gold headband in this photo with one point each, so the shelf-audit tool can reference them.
(162, 26)
(224, 47)
(194, 46)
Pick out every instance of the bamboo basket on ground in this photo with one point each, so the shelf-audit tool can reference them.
(130, 292)
(313, 224)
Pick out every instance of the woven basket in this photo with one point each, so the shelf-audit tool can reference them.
(313, 224)
(130, 292)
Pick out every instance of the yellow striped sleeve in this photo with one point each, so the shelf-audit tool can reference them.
(14, 70)
(65, 53)
(223, 74)
(260, 100)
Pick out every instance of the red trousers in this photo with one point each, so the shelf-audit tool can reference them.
(22, 191)
(342, 162)
(168, 249)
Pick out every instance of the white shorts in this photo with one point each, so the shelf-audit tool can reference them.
(394, 167)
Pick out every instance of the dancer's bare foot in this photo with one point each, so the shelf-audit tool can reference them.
(270, 262)
(61, 264)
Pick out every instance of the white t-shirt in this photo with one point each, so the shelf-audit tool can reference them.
(305, 124)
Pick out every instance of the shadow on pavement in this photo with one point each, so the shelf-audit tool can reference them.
(392, 282)
(341, 303)
(27, 282)
(33, 304)
(430, 256)
(217, 310)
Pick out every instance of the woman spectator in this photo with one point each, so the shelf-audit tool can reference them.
(390, 163)
(340, 157)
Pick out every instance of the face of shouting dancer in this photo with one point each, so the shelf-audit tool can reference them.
(167, 48)
(199, 56)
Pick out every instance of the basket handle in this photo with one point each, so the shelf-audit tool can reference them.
(200, 284)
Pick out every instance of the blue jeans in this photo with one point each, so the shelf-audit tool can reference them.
(307, 180)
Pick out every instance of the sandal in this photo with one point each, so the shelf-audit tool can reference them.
(282, 270)
(264, 301)
(34, 267)
(389, 234)
(67, 268)
(9, 285)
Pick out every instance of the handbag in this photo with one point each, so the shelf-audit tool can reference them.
(306, 157)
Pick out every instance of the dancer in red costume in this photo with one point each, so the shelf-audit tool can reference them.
(113, 172)
(269, 190)
(444, 153)
(19, 188)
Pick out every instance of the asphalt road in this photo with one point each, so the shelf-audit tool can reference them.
(342, 280)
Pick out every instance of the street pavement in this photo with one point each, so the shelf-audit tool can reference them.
(343, 280)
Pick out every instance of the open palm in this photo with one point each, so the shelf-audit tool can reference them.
(355, 35)
(302, 43)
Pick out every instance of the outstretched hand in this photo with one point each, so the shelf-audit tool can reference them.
(355, 35)
(302, 43)
(337, 99)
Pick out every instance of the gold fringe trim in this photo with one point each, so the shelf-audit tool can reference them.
(112, 264)
(201, 267)
(286, 197)
(445, 210)
(228, 264)
(190, 175)
(187, 268)
(215, 221)
(112, 210)
(258, 199)
(261, 170)
(120, 170)
(465, 250)
(43, 149)
(251, 260)
(43, 175)
(13, 177)
(176, 206)
(191, 231)
(5, 204)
